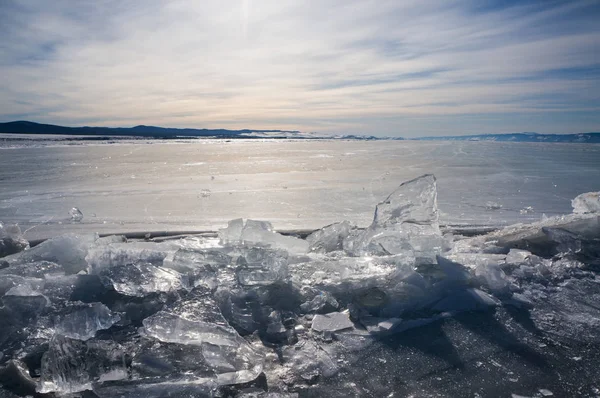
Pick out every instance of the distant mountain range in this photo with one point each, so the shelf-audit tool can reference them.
(25, 127)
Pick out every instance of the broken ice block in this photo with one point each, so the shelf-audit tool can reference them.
(76, 214)
(105, 256)
(331, 322)
(568, 242)
(414, 202)
(67, 250)
(24, 301)
(587, 203)
(142, 279)
(407, 221)
(36, 269)
(199, 322)
(260, 232)
(185, 260)
(309, 361)
(72, 365)
(83, 323)
(260, 266)
(329, 238)
(11, 240)
(493, 278)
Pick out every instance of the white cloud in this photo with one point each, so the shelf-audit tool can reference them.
(333, 65)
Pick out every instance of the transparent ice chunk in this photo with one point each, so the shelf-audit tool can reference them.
(76, 214)
(414, 202)
(101, 257)
(142, 279)
(587, 203)
(407, 221)
(11, 240)
(329, 238)
(25, 301)
(251, 232)
(71, 365)
(199, 323)
(185, 260)
(260, 266)
(83, 323)
(69, 251)
(331, 322)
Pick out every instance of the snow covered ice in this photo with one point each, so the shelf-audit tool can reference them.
(400, 307)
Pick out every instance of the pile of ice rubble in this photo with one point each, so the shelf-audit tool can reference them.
(254, 310)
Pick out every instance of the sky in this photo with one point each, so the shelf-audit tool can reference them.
(378, 67)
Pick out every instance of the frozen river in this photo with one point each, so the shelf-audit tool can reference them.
(201, 184)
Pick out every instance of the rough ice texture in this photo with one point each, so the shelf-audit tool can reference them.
(330, 238)
(72, 365)
(414, 202)
(331, 322)
(196, 318)
(69, 250)
(587, 203)
(407, 221)
(11, 240)
(260, 232)
(142, 279)
(83, 323)
(199, 323)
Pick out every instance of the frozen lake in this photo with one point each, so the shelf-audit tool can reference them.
(201, 184)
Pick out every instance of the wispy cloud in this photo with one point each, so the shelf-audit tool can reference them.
(415, 67)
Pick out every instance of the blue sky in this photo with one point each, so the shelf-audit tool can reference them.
(396, 68)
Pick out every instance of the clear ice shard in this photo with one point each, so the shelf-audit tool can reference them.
(331, 322)
(407, 221)
(11, 240)
(586, 203)
(71, 365)
(76, 214)
(186, 260)
(251, 232)
(25, 301)
(260, 266)
(199, 322)
(103, 256)
(67, 250)
(83, 323)
(414, 202)
(142, 279)
(329, 238)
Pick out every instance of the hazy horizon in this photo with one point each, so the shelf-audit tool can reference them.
(383, 68)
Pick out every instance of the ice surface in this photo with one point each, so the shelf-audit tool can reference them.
(76, 214)
(331, 322)
(83, 323)
(587, 203)
(261, 311)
